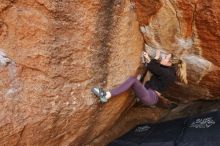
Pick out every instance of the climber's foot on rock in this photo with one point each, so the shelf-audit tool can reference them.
(165, 103)
(100, 93)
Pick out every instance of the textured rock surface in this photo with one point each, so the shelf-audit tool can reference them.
(189, 30)
(57, 51)
(53, 52)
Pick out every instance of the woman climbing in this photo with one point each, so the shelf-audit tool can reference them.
(163, 71)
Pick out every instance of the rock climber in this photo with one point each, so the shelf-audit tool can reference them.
(164, 73)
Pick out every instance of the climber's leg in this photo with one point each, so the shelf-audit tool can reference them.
(123, 87)
(104, 96)
(147, 96)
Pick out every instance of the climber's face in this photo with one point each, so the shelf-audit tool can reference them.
(166, 60)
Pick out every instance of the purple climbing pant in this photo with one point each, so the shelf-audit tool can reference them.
(147, 96)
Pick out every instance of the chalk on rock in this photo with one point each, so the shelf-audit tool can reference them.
(143, 30)
(185, 43)
(152, 51)
(4, 60)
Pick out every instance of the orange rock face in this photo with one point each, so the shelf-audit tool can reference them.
(189, 30)
(53, 52)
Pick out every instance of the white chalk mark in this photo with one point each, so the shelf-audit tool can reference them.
(198, 61)
(142, 29)
(150, 37)
(4, 60)
(14, 86)
(198, 65)
(11, 70)
(185, 43)
(152, 51)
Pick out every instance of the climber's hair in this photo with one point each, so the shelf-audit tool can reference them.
(180, 68)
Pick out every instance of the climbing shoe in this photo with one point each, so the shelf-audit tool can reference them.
(100, 93)
(165, 103)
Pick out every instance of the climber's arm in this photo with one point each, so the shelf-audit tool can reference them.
(153, 65)
(143, 75)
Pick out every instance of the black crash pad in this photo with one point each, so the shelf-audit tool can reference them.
(200, 130)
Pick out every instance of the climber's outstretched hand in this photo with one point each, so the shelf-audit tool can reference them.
(146, 55)
(157, 54)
